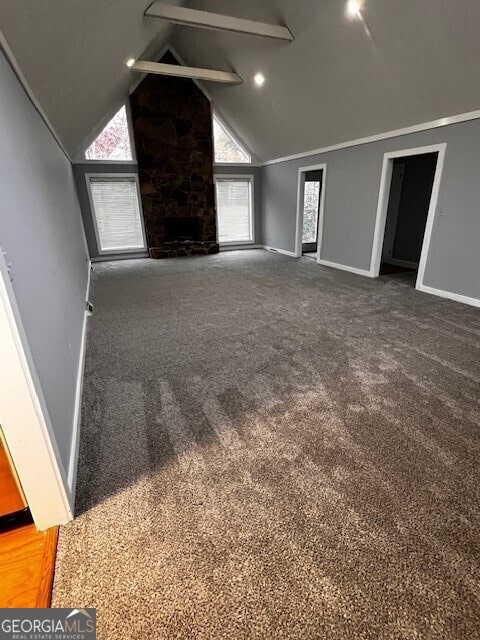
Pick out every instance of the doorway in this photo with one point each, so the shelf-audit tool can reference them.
(311, 197)
(407, 202)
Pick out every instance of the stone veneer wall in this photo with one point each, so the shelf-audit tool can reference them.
(172, 125)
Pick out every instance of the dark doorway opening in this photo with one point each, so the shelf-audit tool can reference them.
(311, 210)
(408, 205)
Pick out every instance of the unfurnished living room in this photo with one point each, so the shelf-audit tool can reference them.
(240, 319)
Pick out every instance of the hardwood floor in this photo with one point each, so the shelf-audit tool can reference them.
(11, 498)
(27, 562)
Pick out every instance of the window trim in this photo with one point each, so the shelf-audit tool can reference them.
(302, 171)
(228, 130)
(103, 252)
(250, 177)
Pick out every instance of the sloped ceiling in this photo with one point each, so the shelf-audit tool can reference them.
(73, 53)
(407, 62)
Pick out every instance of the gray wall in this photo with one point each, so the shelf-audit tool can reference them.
(80, 170)
(352, 185)
(41, 231)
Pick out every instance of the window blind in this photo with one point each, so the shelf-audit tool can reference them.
(234, 210)
(117, 213)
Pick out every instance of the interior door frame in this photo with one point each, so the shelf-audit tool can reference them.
(382, 206)
(321, 212)
(25, 421)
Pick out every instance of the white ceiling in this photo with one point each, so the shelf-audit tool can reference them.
(409, 62)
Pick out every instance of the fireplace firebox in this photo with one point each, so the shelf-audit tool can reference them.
(183, 229)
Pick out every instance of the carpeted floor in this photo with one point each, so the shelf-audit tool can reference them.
(272, 449)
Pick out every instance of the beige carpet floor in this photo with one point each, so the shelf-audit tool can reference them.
(271, 449)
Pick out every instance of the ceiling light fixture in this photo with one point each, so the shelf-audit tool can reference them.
(259, 79)
(353, 8)
(130, 62)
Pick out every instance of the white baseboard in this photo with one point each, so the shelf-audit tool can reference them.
(344, 267)
(239, 247)
(120, 256)
(457, 297)
(77, 415)
(292, 254)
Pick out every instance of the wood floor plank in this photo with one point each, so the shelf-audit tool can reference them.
(27, 561)
(11, 498)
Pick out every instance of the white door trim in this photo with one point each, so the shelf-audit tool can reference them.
(321, 213)
(25, 421)
(382, 206)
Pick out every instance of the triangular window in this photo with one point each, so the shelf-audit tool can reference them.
(114, 141)
(227, 149)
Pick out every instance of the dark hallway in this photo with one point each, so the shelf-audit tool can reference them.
(409, 201)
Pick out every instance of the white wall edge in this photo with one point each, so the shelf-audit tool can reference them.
(457, 297)
(432, 212)
(25, 420)
(344, 267)
(283, 252)
(425, 126)
(77, 415)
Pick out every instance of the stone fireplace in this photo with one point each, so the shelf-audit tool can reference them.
(172, 126)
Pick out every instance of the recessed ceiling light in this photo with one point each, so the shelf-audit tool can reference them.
(353, 8)
(259, 79)
(130, 62)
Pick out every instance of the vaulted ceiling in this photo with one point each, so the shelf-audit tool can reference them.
(403, 63)
(73, 53)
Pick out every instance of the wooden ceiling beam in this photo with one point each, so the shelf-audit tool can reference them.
(216, 21)
(179, 71)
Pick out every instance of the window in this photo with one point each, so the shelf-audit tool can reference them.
(234, 209)
(114, 141)
(311, 203)
(116, 212)
(226, 148)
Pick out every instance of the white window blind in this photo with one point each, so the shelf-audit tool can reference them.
(234, 209)
(117, 213)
